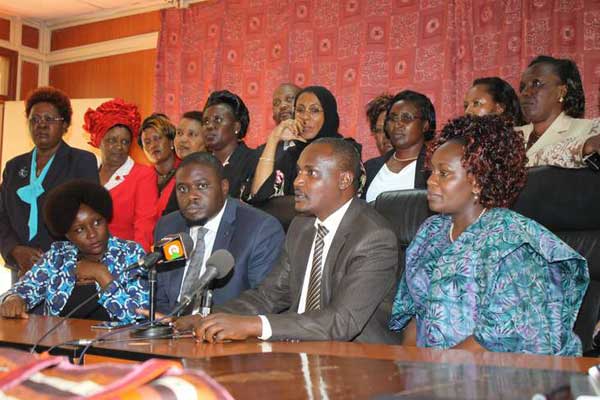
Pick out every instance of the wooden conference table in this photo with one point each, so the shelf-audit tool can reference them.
(323, 370)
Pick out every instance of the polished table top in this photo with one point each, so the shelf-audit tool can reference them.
(305, 376)
(290, 370)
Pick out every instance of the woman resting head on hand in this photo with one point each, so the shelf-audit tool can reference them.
(479, 276)
(89, 260)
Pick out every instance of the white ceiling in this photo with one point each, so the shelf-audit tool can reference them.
(47, 10)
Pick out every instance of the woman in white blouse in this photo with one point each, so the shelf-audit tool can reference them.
(409, 122)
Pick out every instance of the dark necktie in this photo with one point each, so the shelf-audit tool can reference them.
(313, 296)
(195, 266)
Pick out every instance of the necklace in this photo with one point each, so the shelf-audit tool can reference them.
(164, 179)
(403, 159)
(452, 225)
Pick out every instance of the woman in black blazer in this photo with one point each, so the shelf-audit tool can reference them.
(26, 179)
(409, 122)
(225, 119)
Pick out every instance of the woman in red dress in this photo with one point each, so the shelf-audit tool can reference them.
(113, 127)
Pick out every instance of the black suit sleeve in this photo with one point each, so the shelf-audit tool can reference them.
(86, 166)
(8, 237)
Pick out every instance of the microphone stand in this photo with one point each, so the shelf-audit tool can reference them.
(154, 328)
(206, 303)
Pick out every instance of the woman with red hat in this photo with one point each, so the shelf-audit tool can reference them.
(113, 126)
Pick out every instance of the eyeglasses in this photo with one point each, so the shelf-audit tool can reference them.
(312, 111)
(405, 118)
(46, 119)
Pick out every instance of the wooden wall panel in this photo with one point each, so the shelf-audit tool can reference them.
(105, 30)
(29, 78)
(4, 29)
(30, 36)
(128, 76)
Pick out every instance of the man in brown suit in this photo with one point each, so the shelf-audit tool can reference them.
(337, 275)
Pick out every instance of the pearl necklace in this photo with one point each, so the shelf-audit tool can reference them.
(452, 225)
(403, 159)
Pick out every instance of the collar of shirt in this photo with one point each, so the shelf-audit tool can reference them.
(119, 175)
(333, 221)
(212, 225)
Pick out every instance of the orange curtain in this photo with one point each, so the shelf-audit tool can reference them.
(360, 48)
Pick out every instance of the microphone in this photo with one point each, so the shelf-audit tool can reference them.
(218, 265)
(171, 248)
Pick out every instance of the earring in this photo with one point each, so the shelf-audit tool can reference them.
(561, 99)
(476, 196)
(237, 133)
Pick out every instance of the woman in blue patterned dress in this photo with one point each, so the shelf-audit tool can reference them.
(89, 261)
(479, 276)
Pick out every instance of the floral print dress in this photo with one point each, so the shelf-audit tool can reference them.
(53, 278)
(506, 280)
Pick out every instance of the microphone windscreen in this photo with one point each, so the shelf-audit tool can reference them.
(176, 246)
(222, 260)
(188, 243)
(150, 259)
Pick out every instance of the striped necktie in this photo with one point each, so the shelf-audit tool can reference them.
(313, 297)
(195, 267)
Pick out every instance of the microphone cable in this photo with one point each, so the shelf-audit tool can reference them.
(66, 317)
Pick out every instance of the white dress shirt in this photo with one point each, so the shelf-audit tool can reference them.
(386, 180)
(119, 175)
(332, 224)
(211, 226)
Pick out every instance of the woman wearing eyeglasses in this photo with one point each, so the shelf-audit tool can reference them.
(409, 122)
(315, 117)
(26, 179)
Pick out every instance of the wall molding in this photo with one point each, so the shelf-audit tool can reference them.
(103, 49)
(60, 23)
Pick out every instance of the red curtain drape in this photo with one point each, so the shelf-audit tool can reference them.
(359, 49)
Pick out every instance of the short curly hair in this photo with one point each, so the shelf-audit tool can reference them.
(566, 70)
(375, 107)
(423, 104)
(494, 154)
(237, 106)
(56, 97)
(63, 202)
(503, 93)
(161, 123)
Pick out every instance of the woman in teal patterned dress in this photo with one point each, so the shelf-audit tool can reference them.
(479, 276)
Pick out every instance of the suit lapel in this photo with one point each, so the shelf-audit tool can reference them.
(227, 226)
(339, 240)
(299, 260)
(177, 275)
(57, 168)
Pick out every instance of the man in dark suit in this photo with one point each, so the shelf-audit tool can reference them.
(215, 221)
(337, 275)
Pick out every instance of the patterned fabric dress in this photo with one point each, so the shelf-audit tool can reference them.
(53, 278)
(507, 281)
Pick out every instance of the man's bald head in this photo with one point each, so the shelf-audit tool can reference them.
(283, 102)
